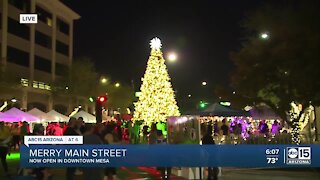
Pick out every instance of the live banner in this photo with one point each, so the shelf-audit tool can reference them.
(81, 155)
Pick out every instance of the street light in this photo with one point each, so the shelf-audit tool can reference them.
(14, 100)
(103, 80)
(172, 57)
(204, 83)
(189, 96)
(264, 35)
(117, 85)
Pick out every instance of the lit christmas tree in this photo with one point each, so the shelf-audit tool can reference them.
(157, 101)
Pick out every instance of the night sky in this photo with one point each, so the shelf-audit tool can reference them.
(116, 35)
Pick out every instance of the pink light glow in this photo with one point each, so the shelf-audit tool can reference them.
(20, 115)
(8, 118)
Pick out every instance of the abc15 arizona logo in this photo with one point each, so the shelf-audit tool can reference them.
(298, 155)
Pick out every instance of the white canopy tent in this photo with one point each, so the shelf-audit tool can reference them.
(8, 118)
(57, 117)
(87, 118)
(44, 117)
(23, 116)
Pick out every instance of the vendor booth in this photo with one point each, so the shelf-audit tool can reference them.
(8, 118)
(22, 116)
(185, 130)
(264, 113)
(87, 118)
(57, 117)
(44, 117)
(217, 109)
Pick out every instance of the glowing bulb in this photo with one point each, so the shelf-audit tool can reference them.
(117, 85)
(172, 57)
(204, 83)
(104, 80)
(264, 36)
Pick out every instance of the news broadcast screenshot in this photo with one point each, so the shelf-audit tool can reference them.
(159, 90)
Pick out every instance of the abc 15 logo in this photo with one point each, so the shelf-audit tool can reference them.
(303, 153)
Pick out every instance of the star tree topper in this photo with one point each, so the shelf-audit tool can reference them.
(155, 44)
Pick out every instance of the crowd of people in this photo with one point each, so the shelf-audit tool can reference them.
(241, 129)
(11, 136)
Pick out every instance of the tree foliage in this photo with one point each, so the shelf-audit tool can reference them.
(82, 77)
(118, 97)
(83, 80)
(285, 66)
(157, 100)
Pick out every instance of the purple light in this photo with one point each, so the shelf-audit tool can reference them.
(20, 115)
(8, 118)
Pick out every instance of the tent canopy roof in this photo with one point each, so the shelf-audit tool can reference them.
(21, 115)
(217, 109)
(57, 117)
(8, 118)
(87, 117)
(262, 112)
(40, 114)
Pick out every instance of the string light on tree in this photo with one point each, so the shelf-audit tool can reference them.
(295, 116)
(299, 120)
(157, 100)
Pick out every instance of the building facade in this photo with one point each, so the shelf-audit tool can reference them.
(37, 55)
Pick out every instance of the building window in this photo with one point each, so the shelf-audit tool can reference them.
(43, 39)
(63, 27)
(35, 84)
(21, 30)
(42, 64)
(49, 22)
(24, 82)
(17, 56)
(23, 5)
(61, 69)
(62, 48)
(44, 16)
